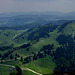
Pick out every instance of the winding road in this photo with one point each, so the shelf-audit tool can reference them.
(31, 71)
(22, 69)
(8, 65)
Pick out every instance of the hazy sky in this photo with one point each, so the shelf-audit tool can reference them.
(36, 5)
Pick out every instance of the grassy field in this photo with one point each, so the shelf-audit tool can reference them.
(14, 63)
(26, 72)
(7, 36)
(5, 70)
(42, 65)
(25, 52)
(70, 29)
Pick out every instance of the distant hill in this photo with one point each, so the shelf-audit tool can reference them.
(42, 18)
(26, 19)
(30, 13)
(11, 14)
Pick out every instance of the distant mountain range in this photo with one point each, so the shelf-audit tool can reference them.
(30, 13)
(37, 18)
(38, 13)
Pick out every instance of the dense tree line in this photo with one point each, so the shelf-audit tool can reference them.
(41, 31)
(65, 55)
(7, 54)
(63, 73)
(64, 25)
(25, 45)
(65, 40)
(3, 48)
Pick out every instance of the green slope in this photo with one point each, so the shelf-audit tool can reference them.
(4, 70)
(70, 29)
(7, 36)
(44, 65)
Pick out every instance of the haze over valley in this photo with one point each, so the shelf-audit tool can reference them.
(37, 37)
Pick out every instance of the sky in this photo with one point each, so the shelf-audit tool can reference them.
(36, 5)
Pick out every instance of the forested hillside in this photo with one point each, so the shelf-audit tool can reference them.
(52, 45)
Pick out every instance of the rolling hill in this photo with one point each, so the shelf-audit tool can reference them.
(45, 49)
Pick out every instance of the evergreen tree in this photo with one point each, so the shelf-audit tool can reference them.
(16, 54)
(0, 55)
(19, 71)
(11, 57)
(35, 57)
(21, 58)
(15, 58)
